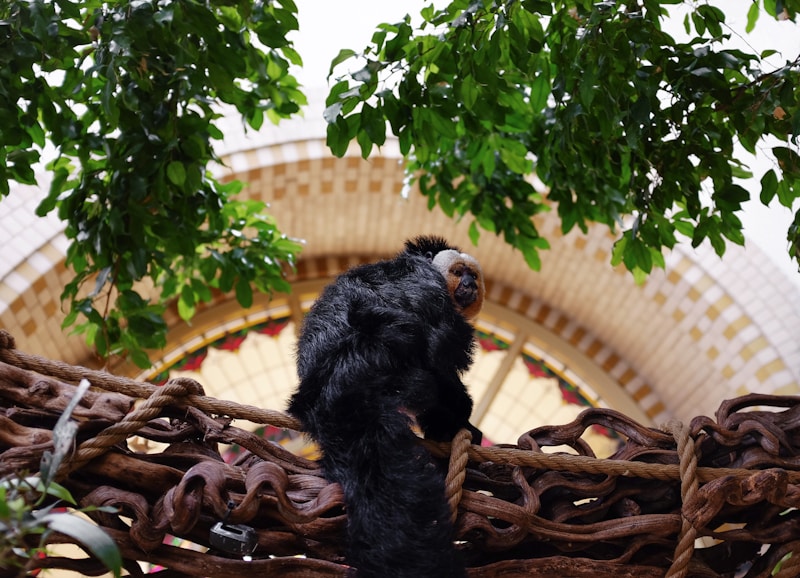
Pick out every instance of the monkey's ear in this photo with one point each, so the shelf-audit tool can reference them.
(427, 246)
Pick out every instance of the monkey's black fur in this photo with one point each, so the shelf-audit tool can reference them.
(383, 341)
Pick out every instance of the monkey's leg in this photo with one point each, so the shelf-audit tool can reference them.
(398, 518)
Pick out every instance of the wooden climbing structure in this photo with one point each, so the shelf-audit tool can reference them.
(717, 497)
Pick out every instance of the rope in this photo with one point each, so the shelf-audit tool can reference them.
(137, 389)
(689, 487)
(7, 340)
(166, 395)
(589, 465)
(209, 405)
(457, 471)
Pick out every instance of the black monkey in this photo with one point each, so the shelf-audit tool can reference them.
(386, 343)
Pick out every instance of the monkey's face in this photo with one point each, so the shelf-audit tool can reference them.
(464, 280)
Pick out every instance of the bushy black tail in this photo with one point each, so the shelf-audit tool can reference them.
(398, 518)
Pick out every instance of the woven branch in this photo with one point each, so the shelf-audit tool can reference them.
(733, 480)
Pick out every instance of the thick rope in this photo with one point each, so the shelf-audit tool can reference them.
(589, 465)
(169, 394)
(457, 471)
(212, 406)
(137, 389)
(689, 487)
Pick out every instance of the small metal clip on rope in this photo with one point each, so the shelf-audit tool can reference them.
(239, 539)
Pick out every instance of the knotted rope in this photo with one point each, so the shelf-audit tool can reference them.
(457, 471)
(689, 486)
(169, 394)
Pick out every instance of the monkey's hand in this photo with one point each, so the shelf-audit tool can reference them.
(440, 425)
(477, 435)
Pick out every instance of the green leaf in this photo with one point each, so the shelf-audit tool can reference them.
(292, 55)
(637, 255)
(713, 18)
(244, 293)
(56, 189)
(639, 276)
(364, 142)
(786, 194)
(530, 250)
(657, 258)
(186, 303)
(769, 186)
(201, 290)
(343, 55)
(338, 137)
(469, 91)
(57, 491)
(474, 233)
(64, 433)
(618, 251)
(140, 359)
(176, 173)
(532, 259)
(752, 16)
(540, 91)
(164, 15)
(90, 536)
(373, 124)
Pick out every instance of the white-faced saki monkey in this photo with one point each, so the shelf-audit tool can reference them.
(386, 344)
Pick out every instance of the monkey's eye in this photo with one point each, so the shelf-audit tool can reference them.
(458, 272)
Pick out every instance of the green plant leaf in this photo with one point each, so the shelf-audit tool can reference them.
(64, 433)
(769, 187)
(244, 293)
(88, 535)
(176, 173)
(186, 303)
(338, 136)
(344, 54)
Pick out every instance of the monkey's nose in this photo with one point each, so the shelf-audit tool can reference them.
(468, 281)
(467, 291)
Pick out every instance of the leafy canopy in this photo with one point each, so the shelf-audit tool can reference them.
(619, 121)
(128, 93)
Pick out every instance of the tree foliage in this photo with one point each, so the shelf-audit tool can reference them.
(622, 123)
(128, 93)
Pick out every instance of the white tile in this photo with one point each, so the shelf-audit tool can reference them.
(17, 282)
(40, 263)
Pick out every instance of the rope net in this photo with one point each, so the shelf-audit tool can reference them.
(710, 499)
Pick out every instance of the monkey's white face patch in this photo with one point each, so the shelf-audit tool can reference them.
(443, 258)
(446, 260)
(464, 280)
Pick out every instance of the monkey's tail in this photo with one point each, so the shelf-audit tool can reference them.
(398, 518)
